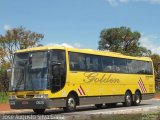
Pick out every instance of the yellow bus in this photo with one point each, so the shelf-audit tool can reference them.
(56, 76)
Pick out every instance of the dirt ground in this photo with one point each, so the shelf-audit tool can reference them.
(157, 96)
(6, 107)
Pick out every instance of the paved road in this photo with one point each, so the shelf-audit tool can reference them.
(84, 112)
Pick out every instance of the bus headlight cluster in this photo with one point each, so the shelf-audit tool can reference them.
(12, 103)
(41, 96)
(11, 97)
(39, 102)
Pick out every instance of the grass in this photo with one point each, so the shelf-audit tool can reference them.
(124, 117)
(113, 117)
(140, 116)
(3, 98)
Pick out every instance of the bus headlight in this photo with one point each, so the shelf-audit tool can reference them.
(41, 96)
(11, 97)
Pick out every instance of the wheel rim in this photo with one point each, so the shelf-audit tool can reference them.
(128, 99)
(137, 99)
(71, 103)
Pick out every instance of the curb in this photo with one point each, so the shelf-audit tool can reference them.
(15, 111)
(130, 111)
(126, 111)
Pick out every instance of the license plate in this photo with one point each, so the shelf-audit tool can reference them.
(24, 102)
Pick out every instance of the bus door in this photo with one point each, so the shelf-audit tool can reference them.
(58, 70)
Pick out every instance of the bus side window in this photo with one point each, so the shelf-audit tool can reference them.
(121, 65)
(108, 64)
(93, 63)
(58, 56)
(76, 61)
(81, 62)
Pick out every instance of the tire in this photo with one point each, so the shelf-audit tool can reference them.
(137, 99)
(128, 99)
(111, 105)
(98, 106)
(70, 104)
(38, 111)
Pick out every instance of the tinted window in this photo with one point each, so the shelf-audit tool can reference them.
(149, 68)
(86, 62)
(139, 67)
(77, 61)
(121, 65)
(114, 65)
(58, 56)
(93, 63)
(108, 64)
(19, 56)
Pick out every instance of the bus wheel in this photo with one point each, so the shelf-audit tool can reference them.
(128, 99)
(70, 104)
(98, 106)
(39, 111)
(137, 99)
(110, 105)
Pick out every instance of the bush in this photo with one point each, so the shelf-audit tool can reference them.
(3, 97)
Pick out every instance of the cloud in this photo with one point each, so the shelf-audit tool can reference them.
(74, 45)
(6, 27)
(116, 2)
(150, 42)
(153, 1)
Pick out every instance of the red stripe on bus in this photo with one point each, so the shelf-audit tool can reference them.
(143, 85)
(140, 85)
(79, 91)
(82, 90)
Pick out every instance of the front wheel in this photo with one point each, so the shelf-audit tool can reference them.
(39, 111)
(98, 106)
(111, 105)
(70, 104)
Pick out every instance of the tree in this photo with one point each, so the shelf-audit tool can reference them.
(14, 39)
(4, 82)
(156, 60)
(122, 40)
(18, 38)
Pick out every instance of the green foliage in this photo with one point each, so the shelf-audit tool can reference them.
(3, 97)
(156, 60)
(4, 81)
(18, 38)
(122, 40)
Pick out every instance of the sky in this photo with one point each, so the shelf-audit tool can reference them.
(78, 23)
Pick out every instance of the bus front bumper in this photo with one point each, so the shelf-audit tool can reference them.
(36, 103)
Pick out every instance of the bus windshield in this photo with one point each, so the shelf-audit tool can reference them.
(29, 71)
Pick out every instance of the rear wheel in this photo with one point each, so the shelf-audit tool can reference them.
(137, 99)
(128, 99)
(39, 111)
(70, 104)
(98, 106)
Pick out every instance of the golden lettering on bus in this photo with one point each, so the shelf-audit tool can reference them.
(97, 78)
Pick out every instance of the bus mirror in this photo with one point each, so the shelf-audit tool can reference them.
(9, 71)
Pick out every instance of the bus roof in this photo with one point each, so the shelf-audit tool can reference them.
(87, 51)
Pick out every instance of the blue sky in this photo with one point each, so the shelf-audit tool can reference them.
(78, 23)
